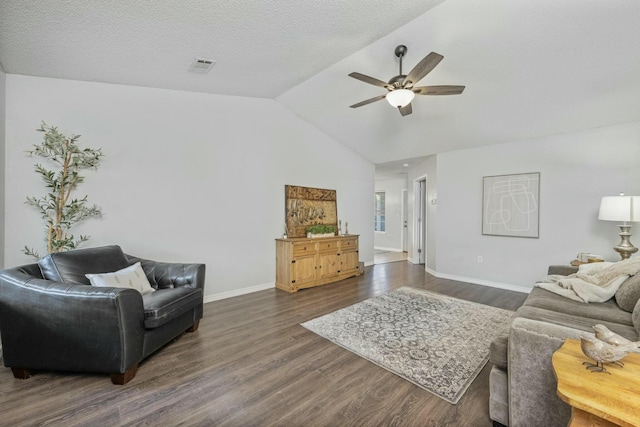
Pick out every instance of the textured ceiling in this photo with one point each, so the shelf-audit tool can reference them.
(530, 68)
(262, 47)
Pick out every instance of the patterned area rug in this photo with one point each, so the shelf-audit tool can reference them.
(437, 342)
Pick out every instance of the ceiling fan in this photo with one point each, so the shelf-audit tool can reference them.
(401, 89)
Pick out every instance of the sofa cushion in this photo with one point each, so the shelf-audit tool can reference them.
(635, 317)
(579, 322)
(71, 267)
(629, 293)
(548, 307)
(131, 277)
(498, 353)
(165, 305)
(598, 312)
(562, 270)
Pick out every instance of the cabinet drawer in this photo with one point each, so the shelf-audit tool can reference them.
(350, 243)
(305, 263)
(304, 248)
(328, 246)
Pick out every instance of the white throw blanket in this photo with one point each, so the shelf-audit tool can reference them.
(595, 282)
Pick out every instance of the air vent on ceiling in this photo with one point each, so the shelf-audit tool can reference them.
(201, 65)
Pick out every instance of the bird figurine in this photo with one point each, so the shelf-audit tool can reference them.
(603, 333)
(603, 352)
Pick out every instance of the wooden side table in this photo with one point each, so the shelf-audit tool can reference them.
(597, 398)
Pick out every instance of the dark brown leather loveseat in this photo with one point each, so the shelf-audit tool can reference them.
(51, 318)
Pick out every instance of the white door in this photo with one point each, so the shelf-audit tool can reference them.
(405, 218)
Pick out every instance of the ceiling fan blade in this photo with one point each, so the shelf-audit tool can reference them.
(406, 110)
(368, 101)
(438, 90)
(370, 80)
(423, 68)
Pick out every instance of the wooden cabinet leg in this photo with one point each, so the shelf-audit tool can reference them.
(126, 376)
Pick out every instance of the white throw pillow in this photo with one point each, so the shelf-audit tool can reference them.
(132, 277)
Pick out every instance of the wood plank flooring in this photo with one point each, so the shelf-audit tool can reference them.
(251, 364)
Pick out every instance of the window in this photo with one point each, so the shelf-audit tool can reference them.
(378, 214)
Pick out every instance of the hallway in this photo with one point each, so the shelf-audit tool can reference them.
(383, 257)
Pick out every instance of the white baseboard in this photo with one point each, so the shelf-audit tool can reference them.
(505, 286)
(249, 289)
(271, 285)
(380, 248)
(238, 292)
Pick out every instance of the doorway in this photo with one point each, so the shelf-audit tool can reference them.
(420, 220)
(404, 214)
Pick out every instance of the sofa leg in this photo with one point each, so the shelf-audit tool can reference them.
(497, 424)
(21, 373)
(122, 379)
(194, 327)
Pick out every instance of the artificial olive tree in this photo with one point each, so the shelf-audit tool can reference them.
(58, 208)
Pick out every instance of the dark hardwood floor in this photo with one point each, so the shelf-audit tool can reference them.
(252, 364)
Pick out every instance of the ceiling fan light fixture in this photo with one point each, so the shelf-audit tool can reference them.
(401, 88)
(400, 97)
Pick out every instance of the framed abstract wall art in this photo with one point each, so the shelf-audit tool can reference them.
(511, 205)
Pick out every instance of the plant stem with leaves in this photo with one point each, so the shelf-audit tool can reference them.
(59, 210)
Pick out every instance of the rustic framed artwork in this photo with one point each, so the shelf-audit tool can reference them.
(306, 206)
(511, 205)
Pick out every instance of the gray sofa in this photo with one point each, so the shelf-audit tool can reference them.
(522, 383)
(51, 318)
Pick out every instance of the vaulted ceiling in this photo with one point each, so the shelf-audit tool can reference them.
(531, 68)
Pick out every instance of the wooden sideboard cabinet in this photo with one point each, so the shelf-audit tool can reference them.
(304, 263)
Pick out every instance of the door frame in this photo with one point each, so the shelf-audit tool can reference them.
(404, 228)
(420, 230)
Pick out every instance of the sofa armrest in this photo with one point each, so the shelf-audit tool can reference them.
(533, 398)
(62, 326)
(171, 275)
(562, 270)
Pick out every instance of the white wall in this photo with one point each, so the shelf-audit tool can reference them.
(3, 84)
(391, 239)
(186, 177)
(576, 170)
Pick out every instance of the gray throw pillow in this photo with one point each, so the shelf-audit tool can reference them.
(629, 293)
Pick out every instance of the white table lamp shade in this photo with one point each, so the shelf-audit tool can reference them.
(620, 208)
